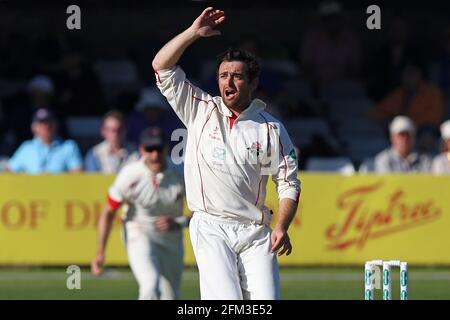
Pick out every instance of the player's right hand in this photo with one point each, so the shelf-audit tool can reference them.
(204, 25)
(97, 264)
(280, 241)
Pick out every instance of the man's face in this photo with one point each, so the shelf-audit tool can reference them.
(155, 157)
(113, 131)
(44, 130)
(403, 142)
(234, 86)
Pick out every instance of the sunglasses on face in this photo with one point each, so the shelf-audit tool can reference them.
(154, 148)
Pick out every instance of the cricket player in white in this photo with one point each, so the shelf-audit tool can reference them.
(152, 196)
(232, 147)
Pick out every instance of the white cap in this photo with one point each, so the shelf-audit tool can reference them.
(445, 130)
(151, 97)
(41, 83)
(402, 124)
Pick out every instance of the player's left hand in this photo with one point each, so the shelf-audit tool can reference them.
(166, 224)
(280, 240)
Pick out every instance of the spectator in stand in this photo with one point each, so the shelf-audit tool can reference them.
(40, 94)
(385, 65)
(331, 52)
(441, 163)
(110, 155)
(401, 157)
(152, 110)
(415, 98)
(46, 152)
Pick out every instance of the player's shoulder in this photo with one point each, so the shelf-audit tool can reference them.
(28, 144)
(272, 121)
(68, 144)
(383, 155)
(133, 168)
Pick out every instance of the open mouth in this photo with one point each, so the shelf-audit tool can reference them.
(230, 93)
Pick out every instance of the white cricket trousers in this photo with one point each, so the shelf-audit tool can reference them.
(234, 259)
(156, 260)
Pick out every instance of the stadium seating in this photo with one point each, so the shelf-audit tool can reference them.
(343, 89)
(302, 130)
(340, 165)
(285, 68)
(85, 130)
(116, 76)
(299, 89)
(367, 166)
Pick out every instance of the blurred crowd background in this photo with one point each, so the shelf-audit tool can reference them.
(82, 97)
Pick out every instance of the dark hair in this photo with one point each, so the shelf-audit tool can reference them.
(115, 114)
(252, 63)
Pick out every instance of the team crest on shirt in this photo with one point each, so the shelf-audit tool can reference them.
(255, 149)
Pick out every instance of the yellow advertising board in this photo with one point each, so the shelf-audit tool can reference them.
(51, 220)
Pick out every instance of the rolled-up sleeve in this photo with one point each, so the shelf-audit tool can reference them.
(185, 98)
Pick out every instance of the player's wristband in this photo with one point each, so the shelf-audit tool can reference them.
(182, 221)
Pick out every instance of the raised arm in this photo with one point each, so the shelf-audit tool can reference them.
(203, 26)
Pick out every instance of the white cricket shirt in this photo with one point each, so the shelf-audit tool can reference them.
(146, 195)
(227, 160)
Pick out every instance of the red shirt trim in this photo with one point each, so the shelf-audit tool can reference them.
(232, 118)
(113, 203)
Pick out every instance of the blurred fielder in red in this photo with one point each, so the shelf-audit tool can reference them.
(152, 196)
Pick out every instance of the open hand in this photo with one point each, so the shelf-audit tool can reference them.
(204, 25)
(280, 240)
(166, 224)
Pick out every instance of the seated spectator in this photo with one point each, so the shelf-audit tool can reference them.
(114, 152)
(401, 157)
(441, 163)
(19, 110)
(46, 152)
(152, 109)
(415, 98)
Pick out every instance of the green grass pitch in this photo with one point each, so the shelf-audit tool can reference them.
(296, 284)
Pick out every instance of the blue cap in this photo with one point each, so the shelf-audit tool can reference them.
(152, 137)
(43, 115)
